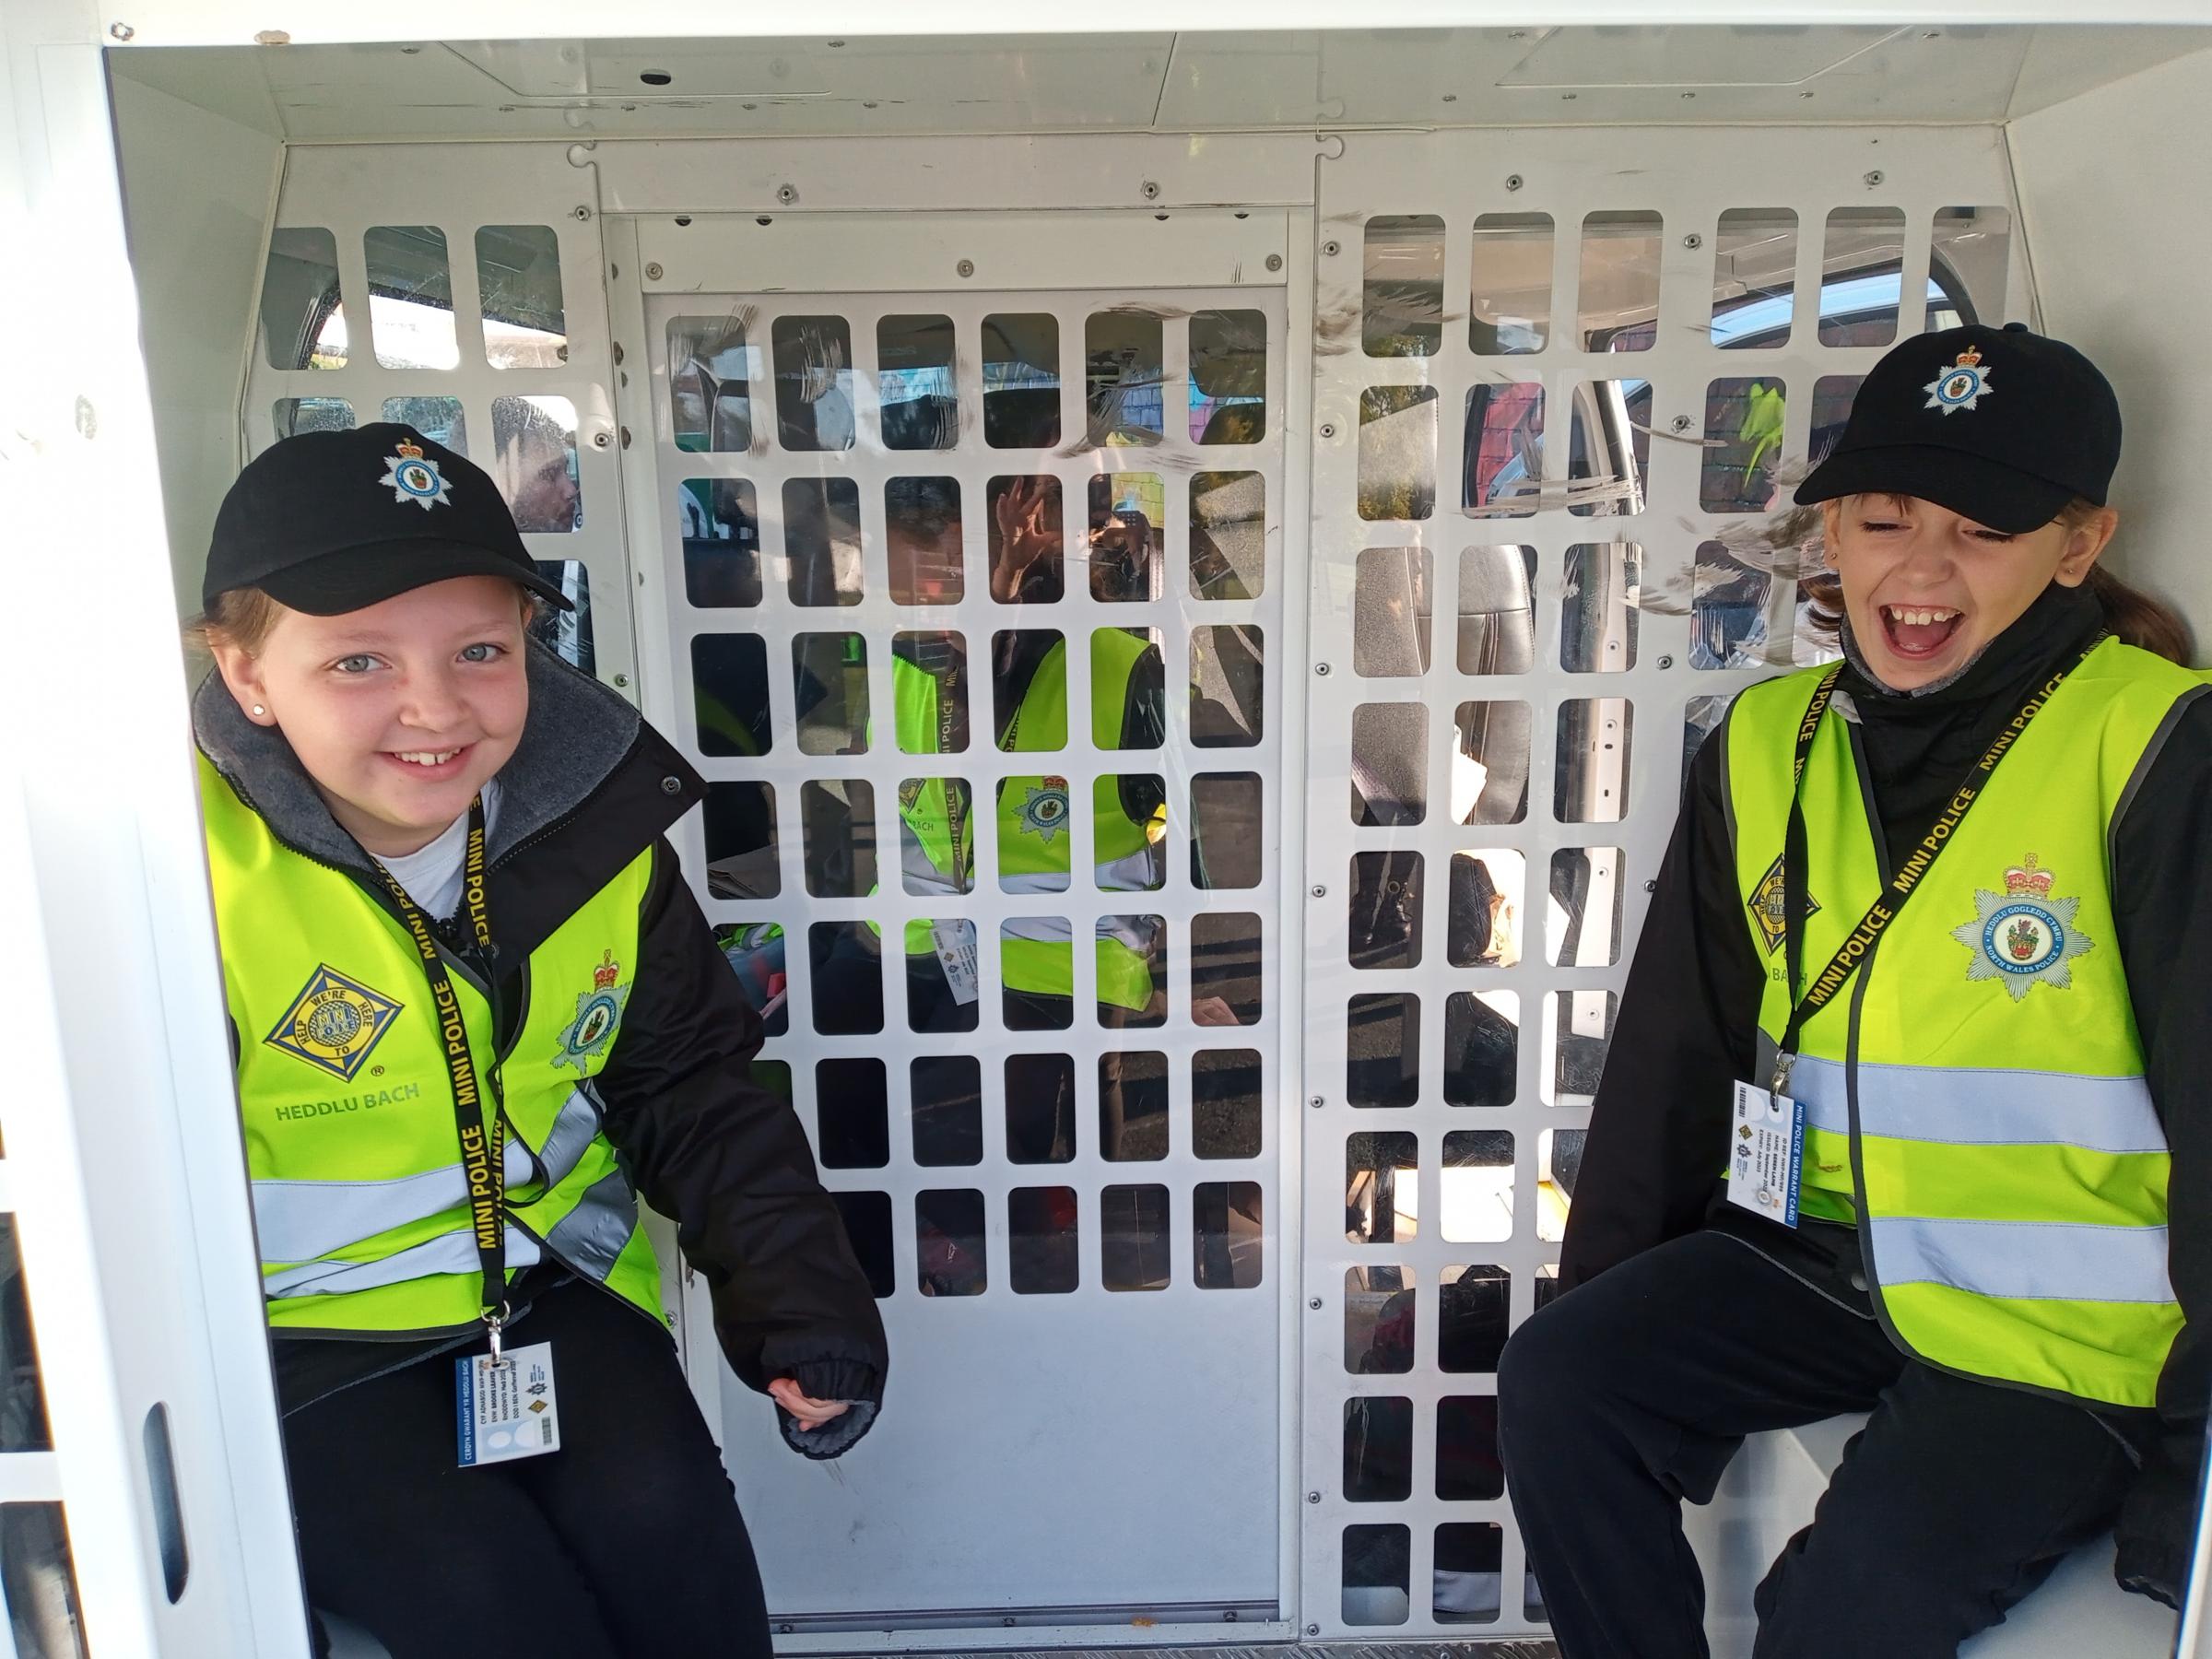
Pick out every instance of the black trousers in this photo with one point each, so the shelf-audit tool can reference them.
(625, 1543)
(1631, 1392)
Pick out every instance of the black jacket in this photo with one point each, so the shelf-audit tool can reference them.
(1690, 1015)
(590, 787)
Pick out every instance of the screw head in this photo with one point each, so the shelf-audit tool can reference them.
(1681, 423)
(621, 679)
(1666, 662)
(1331, 249)
(1274, 262)
(653, 272)
(1874, 178)
(1328, 429)
(965, 267)
(1322, 669)
(1450, 98)
(601, 440)
(1312, 1629)
(787, 194)
(1151, 190)
(1512, 182)
(1315, 1304)
(1315, 1101)
(1312, 1497)
(583, 213)
(1650, 887)
(120, 31)
(671, 786)
(1693, 240)
(1320, 891)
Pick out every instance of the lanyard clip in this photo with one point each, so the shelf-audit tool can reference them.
(1784, 1063)
(494, 1322)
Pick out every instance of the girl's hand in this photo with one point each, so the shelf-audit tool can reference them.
(810, 1414)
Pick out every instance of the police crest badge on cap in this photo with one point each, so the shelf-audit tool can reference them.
(1959, 386)
(414, 477)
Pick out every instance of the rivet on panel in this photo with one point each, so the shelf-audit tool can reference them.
(1327, 429)
(1451, 98)
(601, 439)
(1322, 669)
(583, 213)
(1331, 249)
(653, 272)
(965, 267)
(1312, 1629)
(1512, 182)
(1315, 1304)
(621, 680)
(122, 31)
(1150, 189)
(1681, 423)
(787, 194)
(1312, 1497)
(1316, 1101)
(1274, 262)
(1874, 178)
(618, 354)
(1650, 887)
(1320, 891)
(1693, 240)
(88, 419)
(1666, 662)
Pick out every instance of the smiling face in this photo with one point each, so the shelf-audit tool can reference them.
(1927, 590)
(400, 713)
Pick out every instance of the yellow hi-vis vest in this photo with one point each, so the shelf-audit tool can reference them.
(1037, 953)
(1975, 1098)
(358, 1200)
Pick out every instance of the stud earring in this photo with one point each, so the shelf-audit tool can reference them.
(259, 711)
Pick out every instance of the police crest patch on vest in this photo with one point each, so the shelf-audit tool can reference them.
(1770, 911)
(334, 1023)
(598, 1012)
(2023, 936)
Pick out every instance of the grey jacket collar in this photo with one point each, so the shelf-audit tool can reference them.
(577, 734)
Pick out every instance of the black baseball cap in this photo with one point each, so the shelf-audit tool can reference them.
(2002, 426)
(331, 521)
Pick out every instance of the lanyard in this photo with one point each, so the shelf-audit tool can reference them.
(1860, 943)
(482, 1136)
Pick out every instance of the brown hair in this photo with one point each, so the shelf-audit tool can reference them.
(241, 617)
(2134, 616)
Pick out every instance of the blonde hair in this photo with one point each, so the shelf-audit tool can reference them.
(244, 617)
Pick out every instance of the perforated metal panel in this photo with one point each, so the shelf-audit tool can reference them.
(1547, 479)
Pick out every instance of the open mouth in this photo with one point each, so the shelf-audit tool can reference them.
(429, 763)
(1918, 632)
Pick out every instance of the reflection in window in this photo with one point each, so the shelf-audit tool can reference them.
(1482, 1042)
(1502, 476)
(1019, 657)
(1027, 539)
(1132, 972)
(1497, 610)
(1034, 835)
(813, 382)
(1832, 398)
(1490, 763)
(1743, 444)
(719, 519)
(740, 823)
(1619, 292)
(754, 953)
(846, 960)
(929, 675)
(1129, 831)
(1228, 843)
(1477, 1200)
(1378, 1320)
(1393, 602)
(1228, 1230)
(568, 634)
(948, 1110)
(1229, 685)
(1040, 1241)
(1041, 1109)
(1469, 1554)
(936, 836)
(867, 1219)
(534, 463)
(1610, 451)
(1390, 764)
(1377, 1570)
(1037, 971)
(1128, 688)
(1384, 911)
(1228, 535)
(1382, 1049)
(1559, 1161)
(1972, 246)
(1508, 311)
(1378, 1448)
(915, 383)
(440, 419)
(852, 1113)
(710, 373)
(1580, 1028)
(1599, 606)
(518, 274)
(948, 1241)
(1397, 451)
(1133, 1107)
(729, 694)
(1226, 1103)
(292, 416)
(1123, 377)
(943, 982)
(1382, 1183)
(411, 298)
(302, 323)
(1754, 277)
(829, 688)
(1226, 968)
(1473, 1318)
(838, 816)
(1547, 1286)
(1021, 380)
(1700, 716)
(1133, 1241)
(1727, 610)
(1590, 782)
(1228, 376)
(1401, 293)
(1127, 512)
(1468, 1467)
(922, 540)
(1581, 921)
(1484, 928)
(821, 540)
(1862, 264)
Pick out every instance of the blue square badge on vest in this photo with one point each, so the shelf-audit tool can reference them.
(334, 1023)
(2023, 936)
(598, 1012)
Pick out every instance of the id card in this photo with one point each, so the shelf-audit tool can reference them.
(955, 952)
(1766, 1153)
(505, 1409)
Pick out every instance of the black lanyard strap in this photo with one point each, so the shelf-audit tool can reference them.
(1859, 944)
(482, 1134)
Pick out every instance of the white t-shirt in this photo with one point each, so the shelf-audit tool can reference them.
(433, 875)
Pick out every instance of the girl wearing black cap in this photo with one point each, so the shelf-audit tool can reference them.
(477, 1013)
(1908, 1065)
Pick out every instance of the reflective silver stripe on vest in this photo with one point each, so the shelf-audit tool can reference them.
(1045, 930)
(298, 1220)
(2036, 1260)
(918, 870)
(592, 1235)
(1034, 881)
(1983, 1107)
(448, 1252)
(1138, 873)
